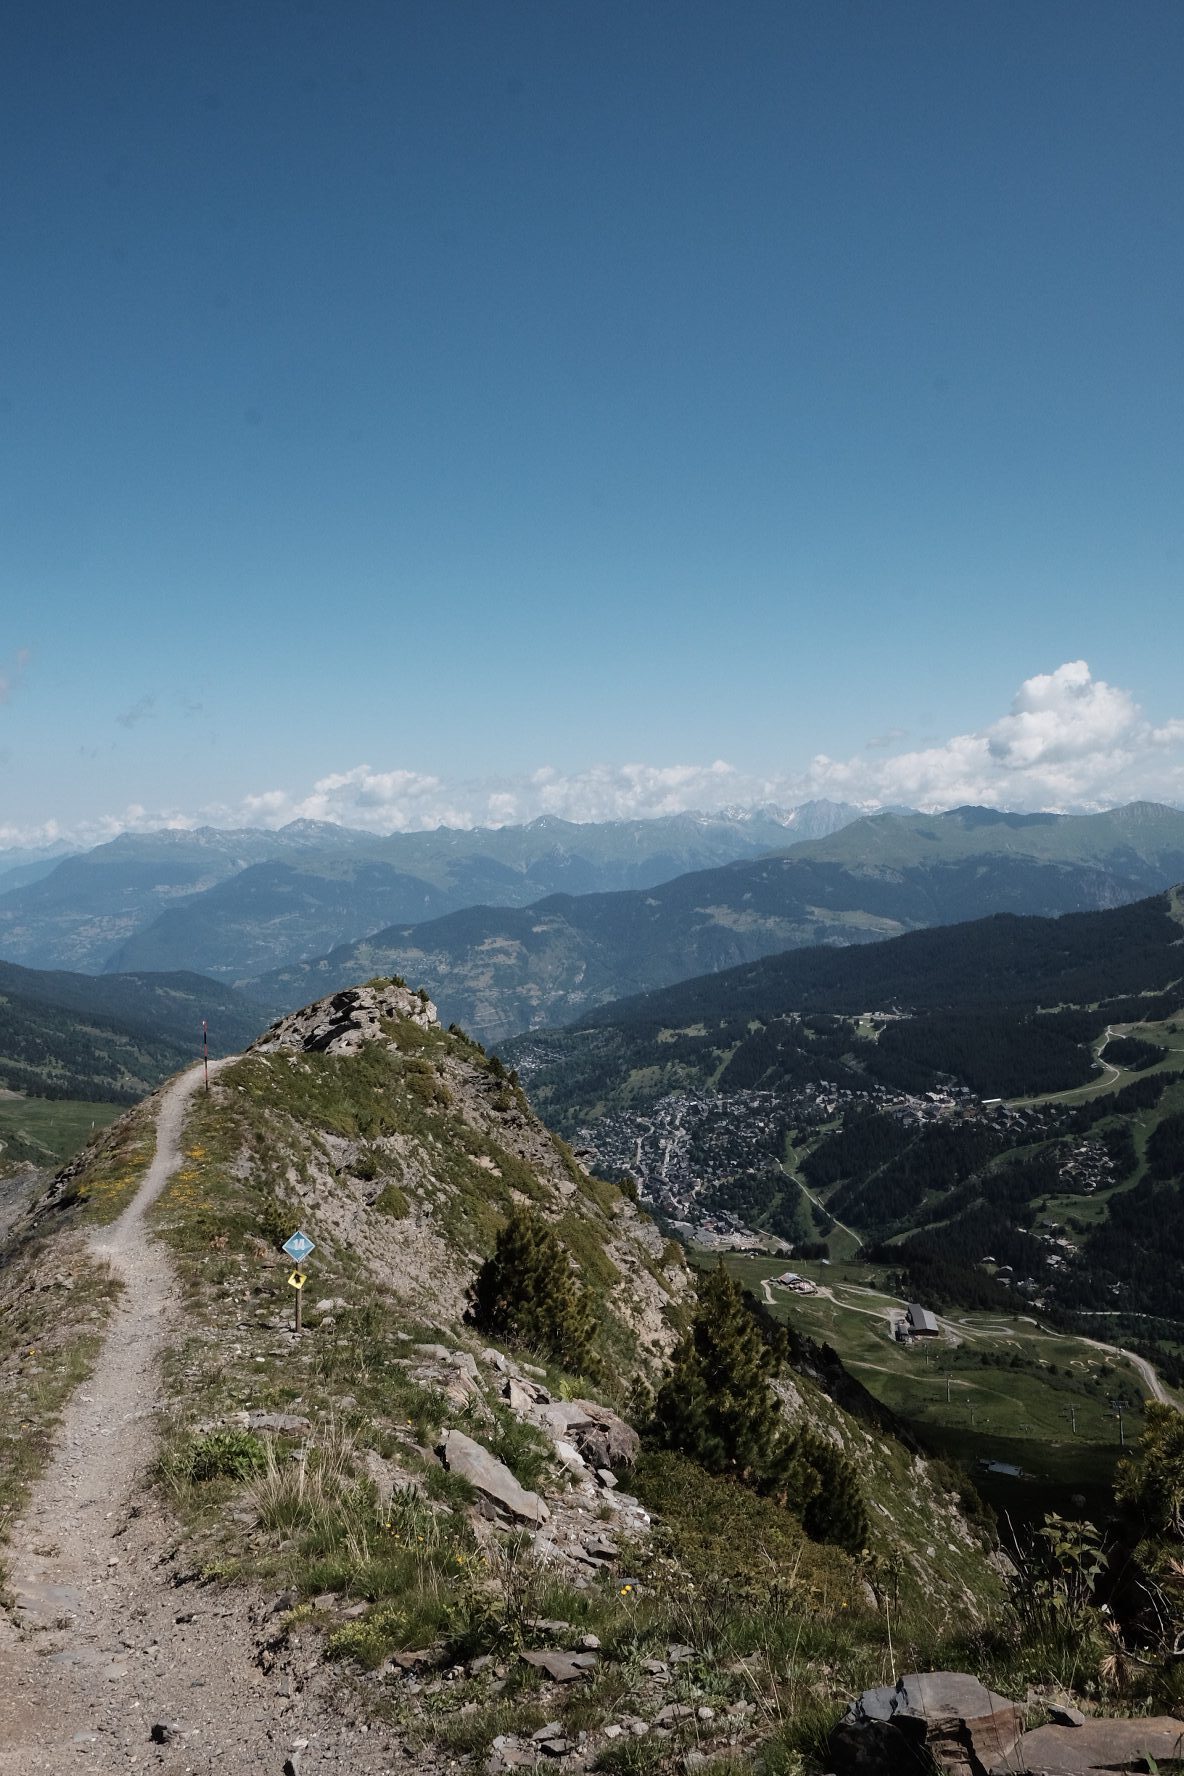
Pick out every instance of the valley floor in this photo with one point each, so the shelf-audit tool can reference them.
(995, 1391)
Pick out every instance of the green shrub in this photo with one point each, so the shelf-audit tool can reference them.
(836, 1511)
(717, 1405)
(1052, 1597)
(632, 1757)
(527, 1293)
(276, 1220)
(751, 1566)
(393, 1202)
(524, 1450)
(219, 1455)
(372, 1639)
(1150, 1483)
(429, 1090)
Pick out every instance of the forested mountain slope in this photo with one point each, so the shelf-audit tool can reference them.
(502, 971)
(1004, 1005)
(77, 1036)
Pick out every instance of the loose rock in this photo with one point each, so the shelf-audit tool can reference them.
(948, 1716)
(461, 1455)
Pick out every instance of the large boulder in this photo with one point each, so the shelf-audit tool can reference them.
(490, 1477)
(603, 1439)
(948, 1717)
(1155, 1742)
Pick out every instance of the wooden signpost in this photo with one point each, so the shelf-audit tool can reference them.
(298, 1247)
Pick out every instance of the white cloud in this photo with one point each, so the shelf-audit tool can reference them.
(258, 809)
(22, 838)
(636, 791)
(382, 801)
(1069, 740)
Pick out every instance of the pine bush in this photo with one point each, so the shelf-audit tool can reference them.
(718, 1408)
(717, 1405)
(528, 1294)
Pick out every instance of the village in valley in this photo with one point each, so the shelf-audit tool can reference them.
(709, 1162)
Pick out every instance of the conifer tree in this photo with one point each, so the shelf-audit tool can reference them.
(836, 1512)
(717, 1406)
(528, 1294)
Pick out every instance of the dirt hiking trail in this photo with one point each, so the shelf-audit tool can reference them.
(114, 1657)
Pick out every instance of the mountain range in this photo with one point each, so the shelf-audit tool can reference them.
(236, 903)
(499, 971)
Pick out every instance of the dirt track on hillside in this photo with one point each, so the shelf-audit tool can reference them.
(109, 1636)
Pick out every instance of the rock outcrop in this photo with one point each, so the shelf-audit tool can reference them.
(1153, 1743)
(602, 1439)
(342, 1023)
(947, 1717)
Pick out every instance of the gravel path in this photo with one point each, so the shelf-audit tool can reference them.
(107, 1640)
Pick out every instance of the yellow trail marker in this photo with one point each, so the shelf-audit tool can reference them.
(298, 1279)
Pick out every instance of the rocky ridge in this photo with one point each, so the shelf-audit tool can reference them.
(342, 1022)
(460, 1146)
(399, 1146)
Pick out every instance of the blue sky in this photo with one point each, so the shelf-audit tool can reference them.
(413, 399)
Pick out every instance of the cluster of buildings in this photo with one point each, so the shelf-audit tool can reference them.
(700, 1157)
(797, 1285)
(690, 1144)
(686, 1145)
(1018, 1119)
(1060, 1247)
(1087, 1168)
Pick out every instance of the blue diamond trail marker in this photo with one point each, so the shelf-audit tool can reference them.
(298, 1247)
